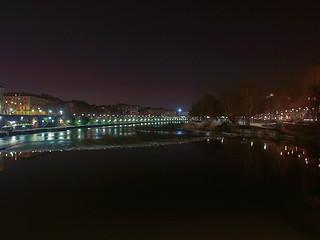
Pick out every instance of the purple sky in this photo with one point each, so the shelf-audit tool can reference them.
(153, 54)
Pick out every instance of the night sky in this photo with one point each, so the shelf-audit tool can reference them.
(154, 54)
